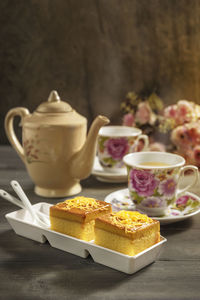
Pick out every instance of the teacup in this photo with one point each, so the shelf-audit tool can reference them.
(114, 142)
(154, 179)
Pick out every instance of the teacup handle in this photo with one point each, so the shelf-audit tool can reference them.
(145, 138)
(182, 173)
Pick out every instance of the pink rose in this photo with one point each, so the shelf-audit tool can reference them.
(186, 137)
(129, 120)
(144, 114)
(184, 112)
(182, 200)
(117, 147)
(181, 113)
(143, 182)
(194, 132)
(179, 137)
(170, 111)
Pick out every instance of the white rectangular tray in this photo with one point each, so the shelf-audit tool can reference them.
(22, 223)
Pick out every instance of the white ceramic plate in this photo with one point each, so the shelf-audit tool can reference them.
(185, 207)
(108, 176)
(23, 225)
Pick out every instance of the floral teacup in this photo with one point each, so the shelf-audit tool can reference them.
(114, 142)
(153, 180)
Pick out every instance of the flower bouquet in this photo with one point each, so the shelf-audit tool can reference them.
(175, 128)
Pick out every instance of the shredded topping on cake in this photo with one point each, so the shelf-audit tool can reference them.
(83, 203)
(130, 219)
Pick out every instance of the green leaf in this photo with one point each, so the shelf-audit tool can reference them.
(194, 203)
(109, 161)
(156, 193)
(138, 199)
(102, 140)
(170, 201)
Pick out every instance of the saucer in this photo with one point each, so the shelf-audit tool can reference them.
(108, 176)
(186, 206)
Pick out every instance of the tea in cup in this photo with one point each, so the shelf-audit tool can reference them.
(154, 178)
(114, 142)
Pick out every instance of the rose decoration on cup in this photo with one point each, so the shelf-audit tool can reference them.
(143, 182)
(153, 180)
(114, 142)
(117, 148)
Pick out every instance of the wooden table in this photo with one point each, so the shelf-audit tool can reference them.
(30, 270)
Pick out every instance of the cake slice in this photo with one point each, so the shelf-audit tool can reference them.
(128, 232)
(76, 217)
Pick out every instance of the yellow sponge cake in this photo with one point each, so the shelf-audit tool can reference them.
(76, 217)
(128, 232)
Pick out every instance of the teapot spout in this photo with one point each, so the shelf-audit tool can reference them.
(82, 161)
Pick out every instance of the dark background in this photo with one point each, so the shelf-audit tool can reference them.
(95, 51)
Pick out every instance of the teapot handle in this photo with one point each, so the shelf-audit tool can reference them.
(21, 112)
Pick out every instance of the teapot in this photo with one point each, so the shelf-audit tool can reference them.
(54, 148)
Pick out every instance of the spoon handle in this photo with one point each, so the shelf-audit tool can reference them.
(11, 199)
(19, 191)
(5, 195)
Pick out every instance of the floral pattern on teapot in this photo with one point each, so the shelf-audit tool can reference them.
(31, 150)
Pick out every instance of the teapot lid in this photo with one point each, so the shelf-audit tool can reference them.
(54, 105)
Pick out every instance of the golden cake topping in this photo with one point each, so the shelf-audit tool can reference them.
(83, 203)
(129, 219)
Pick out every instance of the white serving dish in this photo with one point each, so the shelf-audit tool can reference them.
(22, 223)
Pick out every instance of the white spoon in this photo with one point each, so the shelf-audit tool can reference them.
(5, 195)
(19, 191)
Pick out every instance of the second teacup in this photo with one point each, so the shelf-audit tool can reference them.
(114, 142)
(154, 178)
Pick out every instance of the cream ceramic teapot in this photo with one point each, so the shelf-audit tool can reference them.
(54, 147)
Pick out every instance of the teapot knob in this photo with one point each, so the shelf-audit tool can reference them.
(54, 97)
(54, 105)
